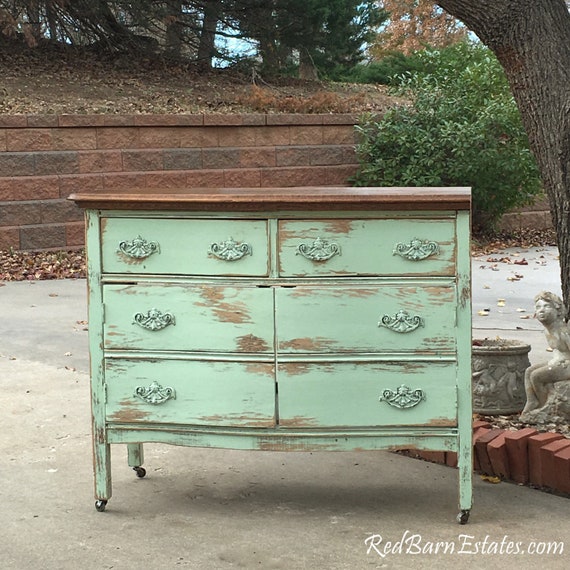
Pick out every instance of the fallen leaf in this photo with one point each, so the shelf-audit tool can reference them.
(483, 312)
(491, 479)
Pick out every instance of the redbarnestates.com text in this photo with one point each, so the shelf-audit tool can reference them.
(413, 543)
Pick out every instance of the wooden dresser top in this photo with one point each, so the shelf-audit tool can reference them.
(263, 199)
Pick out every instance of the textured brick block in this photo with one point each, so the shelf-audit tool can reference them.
(75, 234)
(205, 179)
(294, 119)
(451, 458)
(56, 162)
(221, 157)
(222, 119)
(480, 423)
(100, 161)
(20, 214)
(13, 121)
(9, 238)
(332, 155)
(79, 183)
(535, 443)
(477, 433)
(3, 140)
(339, 135)
(348, 119)
(21, 140)
(242, 178)
(17, 164)
(29, 188)
(291, 176)
(182, 159)
(159, 137)
(199, 137)
(241, 136)
(59, 211)
(114, 181)
(117, 137)
(562, 469)
(75, 139)
(168, 120)
(257, 157)
(142, 160)
(517, 452)
(81, 120)
(293, 155)
(497, 452)
(340, 175)
(433, 456)
(272, 136)
(548, 464)
(481, 443)
(170, 179)
(118, 120)
(43, 237)
(42, 121)
(306, 135)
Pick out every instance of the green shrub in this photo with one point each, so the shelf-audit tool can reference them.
(461, 128)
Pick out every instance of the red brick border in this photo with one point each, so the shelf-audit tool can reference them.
(523, 456)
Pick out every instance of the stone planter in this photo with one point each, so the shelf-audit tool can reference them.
(498, 376)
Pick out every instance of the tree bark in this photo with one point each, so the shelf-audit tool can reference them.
(206, 48)
(532, 42)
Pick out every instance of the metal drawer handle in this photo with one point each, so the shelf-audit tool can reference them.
(416, 249)
(319, 250)
(154, 320)
(230, 250)
(401, 322)
(138, 248)
(402, 397)
(155, 393)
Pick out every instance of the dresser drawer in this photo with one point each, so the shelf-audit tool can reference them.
(367, 394)
(342, 247)
(387, 318)
(185, 246)
(190, 392)
(164, 316)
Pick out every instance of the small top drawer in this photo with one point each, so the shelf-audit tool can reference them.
(343, 247)
(185, 246)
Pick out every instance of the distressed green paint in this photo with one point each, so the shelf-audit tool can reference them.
(208, 317)
(366, 247)
(346, 318)
(184, 246)
(345, 394)
(272, 350)
(206, 393)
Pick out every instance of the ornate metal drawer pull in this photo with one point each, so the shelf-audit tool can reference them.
(154, 320)
(401, 322)
(403, 397)
(155, 393)
(319, 250)
(138, 248)
(230, 250)
(416, 250)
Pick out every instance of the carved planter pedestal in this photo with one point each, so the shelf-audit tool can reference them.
(498, 376)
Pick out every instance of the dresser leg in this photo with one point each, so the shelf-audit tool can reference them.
(136, 458)
(102, 469)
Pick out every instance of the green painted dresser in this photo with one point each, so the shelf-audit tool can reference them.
(280, 319)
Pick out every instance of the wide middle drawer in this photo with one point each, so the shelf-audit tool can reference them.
(194, 317)
(356, 318)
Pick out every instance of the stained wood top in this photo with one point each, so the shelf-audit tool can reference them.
(273, 199)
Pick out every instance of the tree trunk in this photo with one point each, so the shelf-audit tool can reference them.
(532, 42)
(174, 29)
(307, 69)
(206, 48)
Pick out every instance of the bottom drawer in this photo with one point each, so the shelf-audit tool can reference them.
(367, 394)
(190, 392)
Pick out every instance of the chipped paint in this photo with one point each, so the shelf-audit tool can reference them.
(307, 344)
(251, 343)
(235, 312)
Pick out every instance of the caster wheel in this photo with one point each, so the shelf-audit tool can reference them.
(463, 516)
(100, 505)
(140, 471)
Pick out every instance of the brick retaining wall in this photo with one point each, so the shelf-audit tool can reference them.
(45, 158)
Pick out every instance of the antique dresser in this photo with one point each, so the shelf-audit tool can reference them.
(275, 319)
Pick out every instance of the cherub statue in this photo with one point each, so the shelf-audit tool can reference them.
(540, 378)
